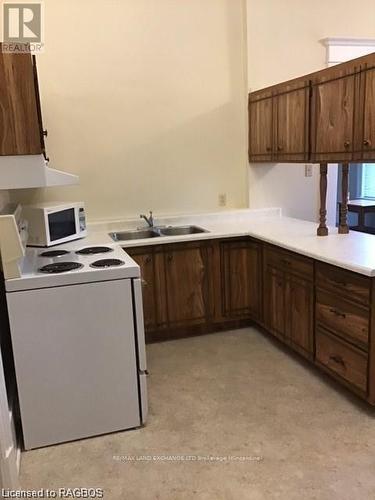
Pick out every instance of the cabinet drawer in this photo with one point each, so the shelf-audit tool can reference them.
(354, 286)
(343, 359)
(344, 318)
(287, 261)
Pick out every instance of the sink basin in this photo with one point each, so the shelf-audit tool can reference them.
(138, 234)
(181, 230)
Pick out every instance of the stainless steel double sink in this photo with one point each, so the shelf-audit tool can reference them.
(156, 232)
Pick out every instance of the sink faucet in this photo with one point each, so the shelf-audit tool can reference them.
(149, 220)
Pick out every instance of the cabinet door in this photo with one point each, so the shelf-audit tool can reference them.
(366, 142)
(274, 301)
(187, 284)
(241, 279)
(292, 120)
(300, 300)
(19, 121)
(260, 129)
(333, 119)
(146, 263)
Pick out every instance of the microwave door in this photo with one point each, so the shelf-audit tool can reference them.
(62, 226)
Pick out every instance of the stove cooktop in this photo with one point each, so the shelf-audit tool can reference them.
(108, 263)
(60, 267)
(54, 253)
(94, 250)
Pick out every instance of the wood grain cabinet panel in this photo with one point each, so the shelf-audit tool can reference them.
(289, 298)
(344, 318)
(291, 140)
(365, 137)
(241, 279)
(342, 359)
(187, 284)
(346, 284)
(261, 129)
(20, 125)
(300, 299)
(274, 301)
(149, 261)
(334, 106)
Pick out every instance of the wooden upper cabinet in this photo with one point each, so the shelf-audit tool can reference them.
(365, 136)
(260, 127)
(291, 130)
(279, 123)
(334, 102)
(20, 120)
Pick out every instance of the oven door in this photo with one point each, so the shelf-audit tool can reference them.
(62, 225)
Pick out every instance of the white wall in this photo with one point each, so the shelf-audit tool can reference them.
(146, 101)
(283, 43)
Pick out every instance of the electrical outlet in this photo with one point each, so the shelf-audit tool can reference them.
(222, 200)
(308, 170)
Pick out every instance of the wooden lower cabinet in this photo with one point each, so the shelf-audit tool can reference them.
(150, 261)
(324, 313)
(241, 279)
(289, 299)
(300, 304)
(199, 287)
(274, 299)
(187, 284)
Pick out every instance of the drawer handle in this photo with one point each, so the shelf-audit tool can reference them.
(337, 313)
(285, 262)
(338, 360)
(342, 283)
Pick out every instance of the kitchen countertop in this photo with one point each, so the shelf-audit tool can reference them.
(354, 251)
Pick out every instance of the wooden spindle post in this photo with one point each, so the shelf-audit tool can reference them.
(343, 224)
(323, 229)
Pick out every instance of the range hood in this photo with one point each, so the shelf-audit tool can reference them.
(31, 171)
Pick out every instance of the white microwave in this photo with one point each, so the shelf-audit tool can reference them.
(54, 223)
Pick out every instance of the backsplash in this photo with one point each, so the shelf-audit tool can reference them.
(4, 198)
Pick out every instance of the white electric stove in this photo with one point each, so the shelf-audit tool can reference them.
(77, 331)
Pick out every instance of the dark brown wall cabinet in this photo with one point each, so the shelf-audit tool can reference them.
(21, 131)
(327, 116)
(278, 124)
(334, 102)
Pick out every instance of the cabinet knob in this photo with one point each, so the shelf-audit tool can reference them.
(45, 133)
(338, 360)
(279, 148)
(347, 144)
(144, 282)
(268, 148)
(148, 260)
(366, 142)
(170, 258)
(337, 313)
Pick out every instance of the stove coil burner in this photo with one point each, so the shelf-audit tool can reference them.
(108, 263)
(53, 253)
(60, 267)
(94, 250)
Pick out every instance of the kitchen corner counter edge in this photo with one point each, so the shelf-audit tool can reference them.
(354, 251)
